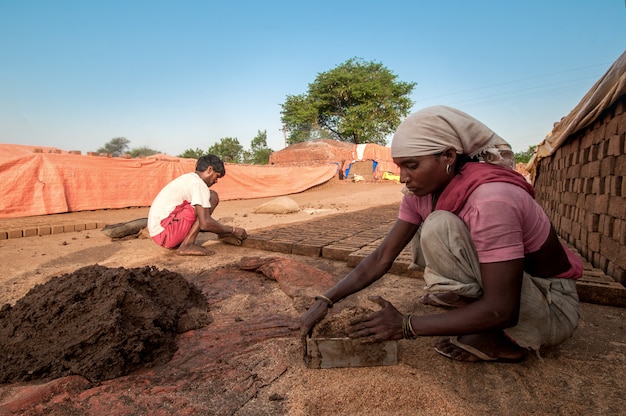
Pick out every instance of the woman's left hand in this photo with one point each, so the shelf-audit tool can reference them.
(385, 324)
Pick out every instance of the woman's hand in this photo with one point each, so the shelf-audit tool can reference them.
(385, 324)
(313, 315)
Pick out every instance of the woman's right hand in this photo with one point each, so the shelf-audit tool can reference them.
(313, 315)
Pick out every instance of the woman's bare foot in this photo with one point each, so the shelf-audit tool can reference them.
(445, 300)
(493, 346)
(193, 250)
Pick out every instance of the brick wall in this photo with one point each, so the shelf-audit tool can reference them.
(582, 187)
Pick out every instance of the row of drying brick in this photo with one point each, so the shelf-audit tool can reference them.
(42, 230)
(352, 237)
(345, 237)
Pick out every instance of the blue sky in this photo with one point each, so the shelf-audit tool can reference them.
(174, 75)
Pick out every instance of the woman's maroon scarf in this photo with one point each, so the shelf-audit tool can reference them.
(472, 175)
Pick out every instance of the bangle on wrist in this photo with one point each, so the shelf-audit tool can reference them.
(233, 231)
(325, 299)
(407, 328)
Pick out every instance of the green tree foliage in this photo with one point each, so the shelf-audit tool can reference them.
(228, 149)
(357, 102)
(193, 154)
(116, 147)
(299, 117)
(524, 156)
(259, 153)
(142, 151)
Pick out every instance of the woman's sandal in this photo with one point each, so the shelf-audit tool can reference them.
(454, 340)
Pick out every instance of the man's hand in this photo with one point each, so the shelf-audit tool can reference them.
(239, 233)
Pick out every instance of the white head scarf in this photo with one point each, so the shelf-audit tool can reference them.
(434, 129)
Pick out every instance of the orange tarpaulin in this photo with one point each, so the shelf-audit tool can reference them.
(38, 181)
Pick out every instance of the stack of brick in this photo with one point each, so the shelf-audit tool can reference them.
(582, 187)
(364, 168)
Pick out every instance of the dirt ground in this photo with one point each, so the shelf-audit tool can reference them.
(248, 360)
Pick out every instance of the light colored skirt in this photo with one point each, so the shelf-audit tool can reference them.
(443, 248)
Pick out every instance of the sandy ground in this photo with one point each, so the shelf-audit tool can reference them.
(585, 375)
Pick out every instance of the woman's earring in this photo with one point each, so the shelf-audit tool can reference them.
(448, 169)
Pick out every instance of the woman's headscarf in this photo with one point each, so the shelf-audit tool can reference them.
(433, 129)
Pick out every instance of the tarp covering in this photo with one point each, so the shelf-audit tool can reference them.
(606, 91)
(333, 151)
(40, 180)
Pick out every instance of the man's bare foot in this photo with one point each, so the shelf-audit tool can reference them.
(494, 346)
(445, 300)
(193, 250)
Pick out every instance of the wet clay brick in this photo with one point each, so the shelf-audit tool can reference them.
(15, 234)
(44, 230)
(338, 252)
(57, 229)
(311, 250)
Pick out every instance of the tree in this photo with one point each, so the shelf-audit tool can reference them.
(524, 156)
(357, 102)
(116, 147)
(142, 151)
(193, 154)
(300, 119)
(259, 153)
(228, 149)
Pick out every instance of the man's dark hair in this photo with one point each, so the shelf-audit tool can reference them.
(215, 162)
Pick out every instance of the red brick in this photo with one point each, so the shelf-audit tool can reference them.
(4, 235)
(586, 141)
(598, 185)
(592, 154)
(30, 232)
(566, 225)
(603, 149)
(91, 226)
(607, 166)
(576, 229)
(606, 226)
(593, 241)
(620, 165)
(599, 132)
(69, 228)
(591, 169)
(603, 293)
(619, 231)
(614, 251)
(617, 207)
(615, 186)
(573, 171)
(592, 221)
(612, 127)
(616, 144)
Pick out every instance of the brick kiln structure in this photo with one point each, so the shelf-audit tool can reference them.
(581, 184)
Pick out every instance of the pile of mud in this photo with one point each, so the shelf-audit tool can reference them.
(99, 323)
(337, 324)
